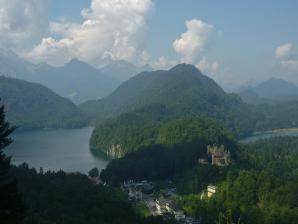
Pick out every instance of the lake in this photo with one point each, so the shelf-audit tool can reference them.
(270, 134)
(55, 149)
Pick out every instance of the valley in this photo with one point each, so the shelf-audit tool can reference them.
(148, 112)
(174, 132)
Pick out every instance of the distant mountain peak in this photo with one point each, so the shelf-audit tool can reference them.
(277, 82)
(275, 89)
(183, 67)
(75, 76)
(78, 65)
(74, 61)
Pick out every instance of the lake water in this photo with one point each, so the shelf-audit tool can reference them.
(266, 135)
(55, 149)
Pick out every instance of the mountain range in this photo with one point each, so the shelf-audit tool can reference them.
(76, 80)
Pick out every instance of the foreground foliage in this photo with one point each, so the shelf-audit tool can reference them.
(11, 207)
(57, 197)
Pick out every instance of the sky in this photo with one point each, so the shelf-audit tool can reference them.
(231, 41)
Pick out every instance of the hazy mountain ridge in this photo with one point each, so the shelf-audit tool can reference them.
(12, 65)
(271, 91)
(30, 105)
(122, 70)
(250, 97)
(75, 80)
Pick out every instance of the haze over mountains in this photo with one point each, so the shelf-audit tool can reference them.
(180, 91)
(122, 70)
(270, 91)
(75, 80)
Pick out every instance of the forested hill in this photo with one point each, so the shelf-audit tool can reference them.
(30, 105)
(184, 91)
(132, 131)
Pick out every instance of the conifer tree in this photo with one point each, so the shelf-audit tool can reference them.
(11, 206)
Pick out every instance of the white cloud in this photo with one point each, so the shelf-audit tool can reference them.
(144, 58)
(52, 51)
(207, 67)
(163, 63)
(20, 20)
(111, 28)
(283, 51)
(194, 41)
(287, 58)
(290, 64)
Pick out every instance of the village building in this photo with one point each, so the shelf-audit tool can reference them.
(139, 190)
(211, 190)
(203, 161)
(219, 155)
(179, 215)
(164, 205)
(145, 192)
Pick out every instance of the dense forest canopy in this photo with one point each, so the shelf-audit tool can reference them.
(178, 145)
(58, 197)
(131, 131)
(260, 188)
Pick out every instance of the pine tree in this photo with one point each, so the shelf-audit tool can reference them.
(11, 206)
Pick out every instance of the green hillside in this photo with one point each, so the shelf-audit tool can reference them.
(132, 115)
(30, 105)
(175, 147)
(184, 91)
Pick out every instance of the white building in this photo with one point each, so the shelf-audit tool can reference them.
(211, 190)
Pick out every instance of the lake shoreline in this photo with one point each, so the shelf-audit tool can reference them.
(55, 149)
(270, 134)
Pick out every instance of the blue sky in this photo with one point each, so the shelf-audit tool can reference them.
(251, 30)
(241, 45)
(244, 24)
